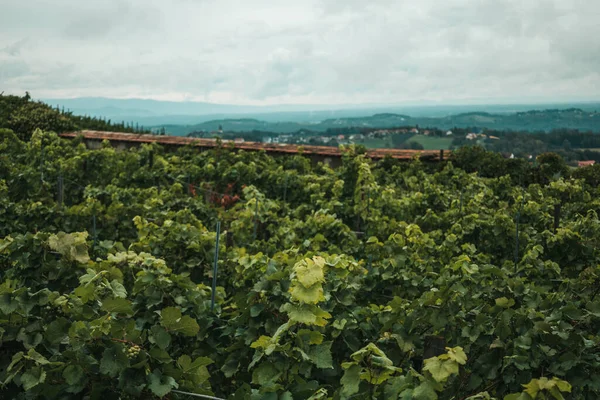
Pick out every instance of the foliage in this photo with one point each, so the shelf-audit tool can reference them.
(24, 116)
(331, 283)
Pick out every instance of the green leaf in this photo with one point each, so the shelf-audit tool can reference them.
(395, 386)
(186, 364)
(173, 321)
(160, 336)
(256, 309)
(57, 330)
(160, 355)
(593, 308)
(71, 245)
(32, 377)
(117, 305)
(15, 359)
(73, 374)
(457, 354)
(306, 314)
(7, 304)
(160, 384)
(286, 396)
(311, 295)
(113, 361)
(266, 374)
(313, 337)
(350, 381)
(300, 314)
(118, 289)
(37, 357)
(563, 386)
(195, 371)
(310, 271)
(85, 292)
(504, 302)
(320, 355)
(261, 343)
(424, 391)
(440, 370)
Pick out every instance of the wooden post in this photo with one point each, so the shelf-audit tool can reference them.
(434, 346)
(557, 208)
(441, 154)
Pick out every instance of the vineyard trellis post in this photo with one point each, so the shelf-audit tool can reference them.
(60, 191)
(518, 218)
(42, 164)
(94, 233)
(255, 220)
(557, 209)
(285, 184)
(366, 237)
(215, 268)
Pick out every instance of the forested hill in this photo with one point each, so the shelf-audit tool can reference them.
(23, 116)
(536, 120)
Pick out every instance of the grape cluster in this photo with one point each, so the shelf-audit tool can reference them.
(133, 351)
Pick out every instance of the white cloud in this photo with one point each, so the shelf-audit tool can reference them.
(302, 51)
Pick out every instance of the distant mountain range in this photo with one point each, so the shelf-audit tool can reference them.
(545, 120)
(181, 118)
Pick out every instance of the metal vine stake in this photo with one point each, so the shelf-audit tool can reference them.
(255, 220)
(215, 268)
(95, 234)
(60, 191)
(285, 185)
(518, 217)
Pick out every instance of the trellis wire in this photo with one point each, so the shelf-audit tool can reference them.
(73, 183)
(201, 396)
(215, 268)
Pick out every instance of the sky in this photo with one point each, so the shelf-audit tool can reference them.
(303, 51)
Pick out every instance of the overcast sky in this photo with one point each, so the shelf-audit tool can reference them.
(303, 51)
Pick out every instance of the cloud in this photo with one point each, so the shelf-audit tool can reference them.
(315, 51)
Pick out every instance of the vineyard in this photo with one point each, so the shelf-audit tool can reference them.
(236, 275)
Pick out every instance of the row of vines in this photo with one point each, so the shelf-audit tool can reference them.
(374, 280)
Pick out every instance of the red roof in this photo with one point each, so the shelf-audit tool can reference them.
(268, 147)
(586, 163)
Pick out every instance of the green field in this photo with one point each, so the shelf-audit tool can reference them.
(428, 142)
(375, 143)
(432, 142)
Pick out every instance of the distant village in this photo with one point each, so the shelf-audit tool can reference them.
(342, 139)
(331, 138)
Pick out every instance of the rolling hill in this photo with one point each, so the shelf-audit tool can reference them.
(542, 120)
